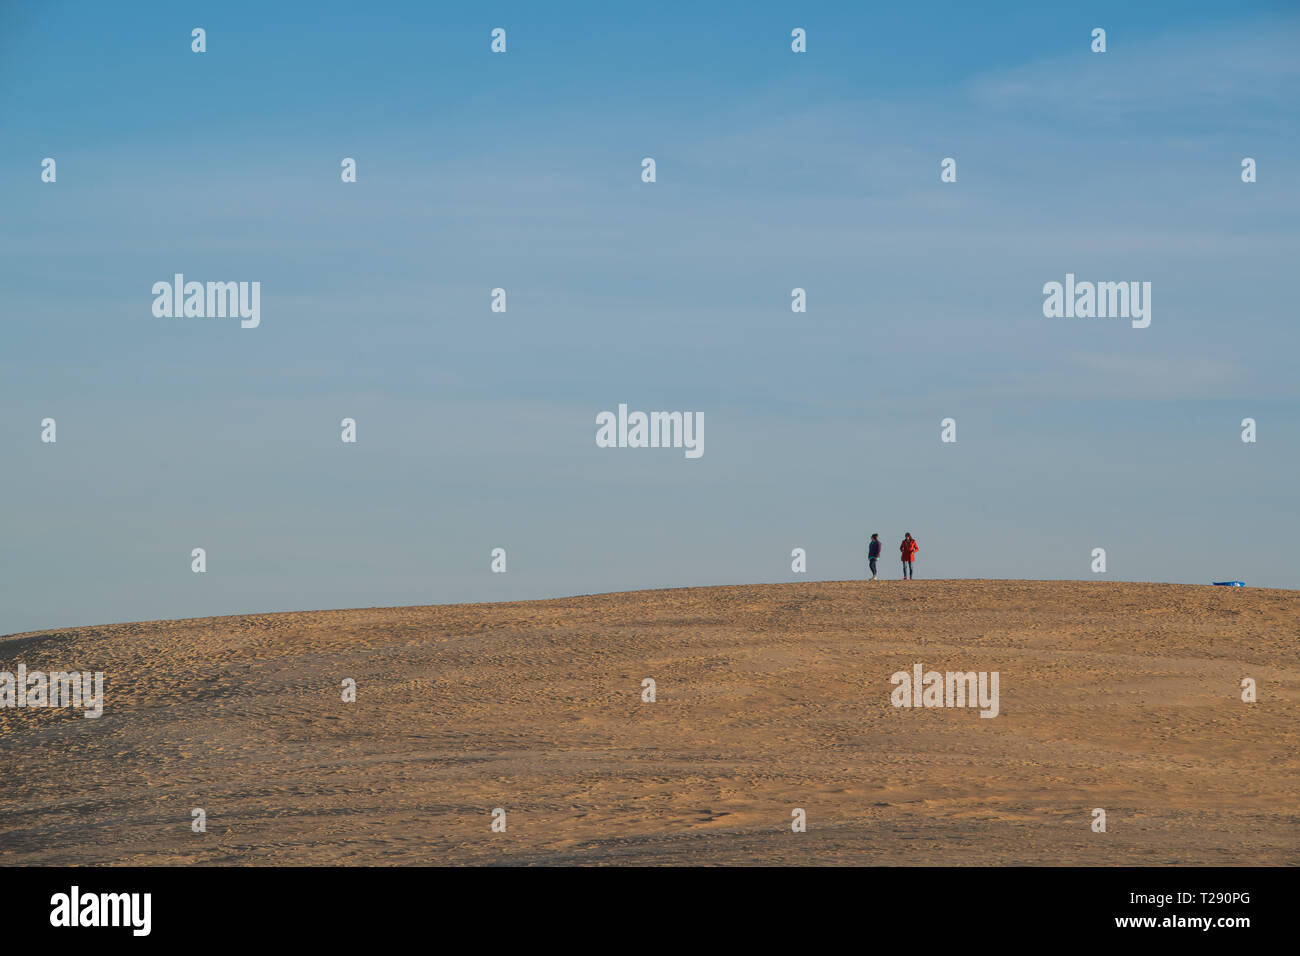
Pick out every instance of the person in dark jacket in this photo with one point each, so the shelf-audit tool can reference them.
(873, 554)
(908, 550)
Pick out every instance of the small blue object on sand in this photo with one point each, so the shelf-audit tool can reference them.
(1231, 584)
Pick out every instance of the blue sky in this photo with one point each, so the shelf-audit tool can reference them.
(775, 170)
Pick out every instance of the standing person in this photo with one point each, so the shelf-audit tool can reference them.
(908, 549)
(873, 554)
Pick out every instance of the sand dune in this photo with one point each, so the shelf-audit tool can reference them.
(769, 698)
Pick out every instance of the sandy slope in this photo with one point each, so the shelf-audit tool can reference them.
(771, 697)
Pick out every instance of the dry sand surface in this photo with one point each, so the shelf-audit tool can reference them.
(770, 697)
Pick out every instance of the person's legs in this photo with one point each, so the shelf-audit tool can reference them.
(872, 563)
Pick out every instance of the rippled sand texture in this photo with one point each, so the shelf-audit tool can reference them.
(770, 698)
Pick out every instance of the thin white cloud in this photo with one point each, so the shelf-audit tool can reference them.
(1251, 64)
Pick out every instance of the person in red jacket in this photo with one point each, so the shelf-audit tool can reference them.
(908, 549)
